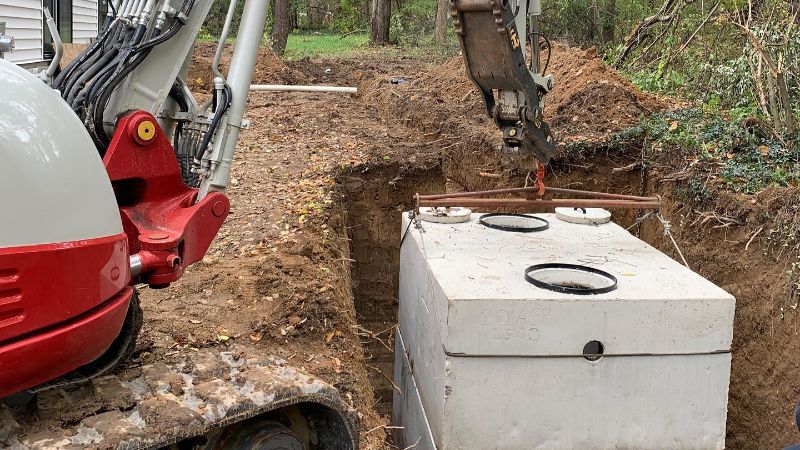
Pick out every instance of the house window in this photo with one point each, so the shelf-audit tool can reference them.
(64, 20)
(61, 10)
(102, 11)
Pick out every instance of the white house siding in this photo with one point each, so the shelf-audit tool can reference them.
(84, 21)
(23, 20)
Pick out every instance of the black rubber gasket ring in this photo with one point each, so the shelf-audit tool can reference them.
(545, 224)
(570, 290)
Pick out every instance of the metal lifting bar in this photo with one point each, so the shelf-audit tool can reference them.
(593, 199)
(526, 203)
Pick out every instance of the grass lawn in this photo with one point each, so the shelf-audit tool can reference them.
(314, 44)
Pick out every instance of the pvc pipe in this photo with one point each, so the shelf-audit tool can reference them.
(294, 88)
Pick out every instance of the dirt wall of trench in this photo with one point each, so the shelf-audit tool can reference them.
(736, 241)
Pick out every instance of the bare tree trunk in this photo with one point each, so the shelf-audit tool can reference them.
(294, 18)
(609, 19)
(381, 15)
(783, 93)
(758, 78)
(670, 58)
(597, 29)
(777, 82)
(280, 26)
(773, 103)
(440, 26)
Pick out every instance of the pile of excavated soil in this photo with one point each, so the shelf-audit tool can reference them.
(591, 98)
(270, 69)
(589, 102)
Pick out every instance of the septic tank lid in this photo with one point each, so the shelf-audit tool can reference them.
(585, 216)
(519, 223)
(571, 279)
(445, 215)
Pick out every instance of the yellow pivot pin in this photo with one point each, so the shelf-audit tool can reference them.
(146, 130)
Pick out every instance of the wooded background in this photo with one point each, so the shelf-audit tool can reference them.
(726, 53)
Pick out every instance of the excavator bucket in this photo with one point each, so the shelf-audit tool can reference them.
(494, 56)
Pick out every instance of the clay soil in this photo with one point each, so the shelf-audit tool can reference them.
(305, 266)
(278, 277)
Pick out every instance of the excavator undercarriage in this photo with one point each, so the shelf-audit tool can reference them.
(203, 400)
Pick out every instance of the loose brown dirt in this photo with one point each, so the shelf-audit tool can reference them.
(589, 101)
(278, 277)
(306, 266)
(269, 70)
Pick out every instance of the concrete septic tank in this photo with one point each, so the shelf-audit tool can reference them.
(487, 360)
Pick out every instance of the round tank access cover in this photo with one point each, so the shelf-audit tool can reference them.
(519, 223)
(571, 279)
(445, 215)
(585, 216)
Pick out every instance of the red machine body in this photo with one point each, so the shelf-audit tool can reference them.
(166, 229)
(63, 304)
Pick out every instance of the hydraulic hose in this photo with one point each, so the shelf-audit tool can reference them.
(177, 94)
(223, 37)
(98, 104)
(74, 85)
(98, 98)
(85, 56)
(98, 67)
(124, 52)
(221, 108)
(186, 9)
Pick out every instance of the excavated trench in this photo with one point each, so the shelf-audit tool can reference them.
(761, 398)
(732, 240)
(373, 203)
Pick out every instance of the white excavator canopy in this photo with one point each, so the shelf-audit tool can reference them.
(53, 186)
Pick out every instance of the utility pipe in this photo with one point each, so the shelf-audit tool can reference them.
(294, 88)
